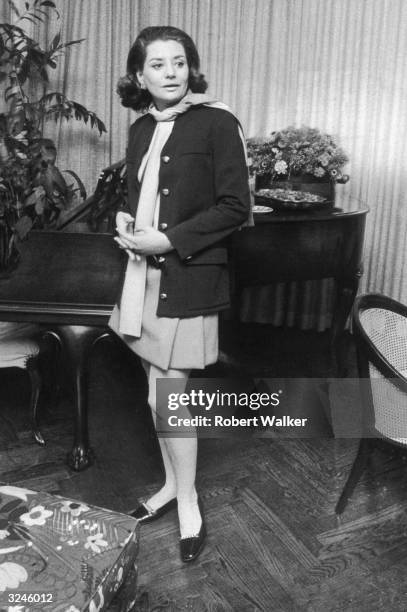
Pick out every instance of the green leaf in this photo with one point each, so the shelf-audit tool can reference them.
(28, 18)
(32, 199)
(48, 150)
(81, 186)
(44, 75)
(38, 10)
(23, 226)
(55, 41)
(11, 91)
(13, 8)
(53, 181)
(24, 70)
(72, 42)
(52, 5)
(101, 126)
(40, 207)
(34, 16)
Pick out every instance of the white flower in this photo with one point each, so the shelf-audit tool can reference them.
(73, 507)
(11, 574)
(3, 534)
(92, 606)
(324, 159)
(95, 541)
(72, 609)
(17, 492)
(319, 171)
(280, 167)
(36, 516)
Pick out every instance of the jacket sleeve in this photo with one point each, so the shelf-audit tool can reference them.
(232, 199)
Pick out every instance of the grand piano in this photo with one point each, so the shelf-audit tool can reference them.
(69, 281)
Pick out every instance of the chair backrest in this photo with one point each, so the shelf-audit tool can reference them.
(380, 328)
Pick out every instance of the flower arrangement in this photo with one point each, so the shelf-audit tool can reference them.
(298, 151)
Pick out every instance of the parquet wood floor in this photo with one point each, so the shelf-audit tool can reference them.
(274, 542)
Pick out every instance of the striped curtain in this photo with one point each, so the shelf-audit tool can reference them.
(339, 65)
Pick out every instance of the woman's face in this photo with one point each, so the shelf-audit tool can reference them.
(165, 72)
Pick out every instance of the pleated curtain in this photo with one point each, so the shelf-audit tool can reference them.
(339, 65)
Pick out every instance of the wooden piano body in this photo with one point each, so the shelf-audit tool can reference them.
(69, 282)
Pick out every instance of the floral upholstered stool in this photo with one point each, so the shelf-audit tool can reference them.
(58, 555)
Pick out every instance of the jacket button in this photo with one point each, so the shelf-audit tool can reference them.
(165, 191)
(163, 226)
(161, 259)
(165, 159)
(163, 296)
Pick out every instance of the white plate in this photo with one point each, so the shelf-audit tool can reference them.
(262, 209)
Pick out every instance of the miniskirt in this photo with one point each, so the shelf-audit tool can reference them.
(178, 343)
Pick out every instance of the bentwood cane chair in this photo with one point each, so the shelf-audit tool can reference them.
(380, 330)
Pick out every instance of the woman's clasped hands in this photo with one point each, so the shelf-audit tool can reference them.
(145, 241)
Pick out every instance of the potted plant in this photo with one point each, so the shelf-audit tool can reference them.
(296, 159)
(33, 191)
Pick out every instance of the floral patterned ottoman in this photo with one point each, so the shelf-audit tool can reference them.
(59, 555)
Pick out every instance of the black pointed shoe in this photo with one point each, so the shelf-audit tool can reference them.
(144, 514)
(192, 546)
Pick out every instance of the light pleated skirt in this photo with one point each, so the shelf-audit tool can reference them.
(165, 342)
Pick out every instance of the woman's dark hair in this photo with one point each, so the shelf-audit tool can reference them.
(128, 88)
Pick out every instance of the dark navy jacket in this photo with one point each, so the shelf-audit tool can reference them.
(204, 196)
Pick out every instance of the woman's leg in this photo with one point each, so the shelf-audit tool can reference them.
(179, 456)
(169, 490)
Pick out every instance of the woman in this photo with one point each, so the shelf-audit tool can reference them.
(188, 190)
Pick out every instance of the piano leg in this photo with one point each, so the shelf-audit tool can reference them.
(78, 342)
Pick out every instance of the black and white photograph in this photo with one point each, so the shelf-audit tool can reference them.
(203, 305)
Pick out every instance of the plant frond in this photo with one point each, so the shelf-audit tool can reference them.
(71, 42)
(81, 186)
(13, 8)
(52, 5)
(55, 41)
